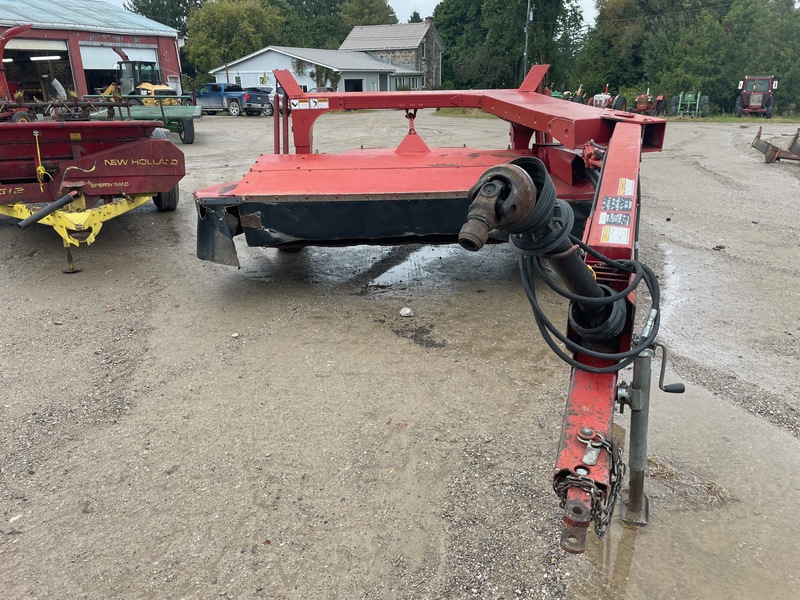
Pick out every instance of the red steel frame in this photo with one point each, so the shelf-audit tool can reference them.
(556, 131)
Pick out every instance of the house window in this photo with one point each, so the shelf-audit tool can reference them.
(422, 50)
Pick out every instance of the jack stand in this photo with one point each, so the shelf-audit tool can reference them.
(70, 264)
(635, 507)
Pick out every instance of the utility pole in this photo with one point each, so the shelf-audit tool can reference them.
(528, 19)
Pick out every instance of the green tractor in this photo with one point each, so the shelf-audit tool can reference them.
(690, 104)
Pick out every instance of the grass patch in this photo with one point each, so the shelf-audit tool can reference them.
(475, 113)
(686, 484)
(735, 119)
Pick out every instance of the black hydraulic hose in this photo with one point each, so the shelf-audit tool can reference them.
(529, 264)
(47, 210)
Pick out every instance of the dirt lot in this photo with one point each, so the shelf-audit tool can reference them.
(171, 428)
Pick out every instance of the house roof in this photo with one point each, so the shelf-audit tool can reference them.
(337, 60)
(80, 15)
(401, 36)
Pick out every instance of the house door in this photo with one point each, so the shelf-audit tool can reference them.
(353, 85)
(384, 79)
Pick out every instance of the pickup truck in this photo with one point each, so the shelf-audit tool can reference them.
(258, 100)
(216, 97)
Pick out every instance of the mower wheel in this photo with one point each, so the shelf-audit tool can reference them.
(187, 131)
(167, 201)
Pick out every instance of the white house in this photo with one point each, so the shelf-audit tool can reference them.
(345, 71)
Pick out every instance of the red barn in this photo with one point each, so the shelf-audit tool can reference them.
(73, 41)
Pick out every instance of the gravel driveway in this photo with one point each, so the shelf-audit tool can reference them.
(171, 428)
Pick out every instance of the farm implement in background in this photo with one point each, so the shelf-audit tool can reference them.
(689, 104)
(74, 174)
(755, 96)
(773, 153)
(565, 194)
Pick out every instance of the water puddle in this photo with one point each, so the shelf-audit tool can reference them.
(381, 269)
(444, 265)
(719, 525)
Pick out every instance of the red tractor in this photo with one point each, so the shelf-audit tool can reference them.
(755, 96)
(647, 104)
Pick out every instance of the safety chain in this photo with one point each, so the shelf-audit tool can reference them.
(601, 516)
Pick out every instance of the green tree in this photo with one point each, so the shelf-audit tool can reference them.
(172, 13)
(367, 12)
(415, 18)
(485, 39)
(222, 31)
(460, 25)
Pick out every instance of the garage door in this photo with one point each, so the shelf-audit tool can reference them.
(104, 58)
(46, 45)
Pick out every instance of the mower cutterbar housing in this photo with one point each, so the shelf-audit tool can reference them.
(409, 194)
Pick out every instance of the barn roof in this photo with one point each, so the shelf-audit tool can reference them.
(79, 15)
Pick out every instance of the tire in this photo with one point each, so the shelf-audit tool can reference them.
(620, 102)
(234, 108)
(21, 117)
(159, 134)
(134, 102)
(673, 106)
(739, 106)
(661, 107)
(187, 131)
(269, 111)
(703, 106)
(167, 201)
(188, 102)
(770, 105)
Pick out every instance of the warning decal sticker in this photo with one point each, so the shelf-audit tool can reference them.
(607, 218)
(626, 187)
(616, 203)
(616, 235)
